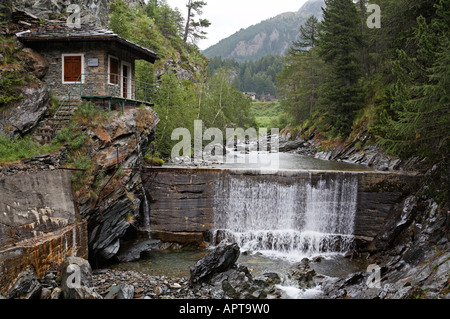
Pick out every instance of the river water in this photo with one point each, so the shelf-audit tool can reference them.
(277, 225)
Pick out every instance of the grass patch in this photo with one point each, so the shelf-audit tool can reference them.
(267, 114)
(12, 150)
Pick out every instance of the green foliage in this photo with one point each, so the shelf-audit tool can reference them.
(89, 113)
(195, 28)
(417, 117)
(19, 148)
(153, 159)
(12, 75)
(251, 76)
(393, 80)
(175, 107)
(301, 75)
(216, 102)
(338, 45)
(10, 83)
(267, 114)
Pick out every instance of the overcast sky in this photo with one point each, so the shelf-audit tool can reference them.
(229, 16)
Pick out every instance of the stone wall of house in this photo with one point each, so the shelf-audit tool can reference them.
(95, 81)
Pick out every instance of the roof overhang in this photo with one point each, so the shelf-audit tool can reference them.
(140, 52)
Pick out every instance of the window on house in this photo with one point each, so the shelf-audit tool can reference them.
(72, 67)
(113, 71)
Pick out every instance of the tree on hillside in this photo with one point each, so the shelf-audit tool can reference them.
(339, 44)
(194, 28)
(420, 97)
(308, 38)
(299, 79)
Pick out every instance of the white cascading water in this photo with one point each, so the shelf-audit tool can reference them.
(146, 213)
(289, 220)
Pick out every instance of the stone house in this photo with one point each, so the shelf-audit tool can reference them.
(89, 62)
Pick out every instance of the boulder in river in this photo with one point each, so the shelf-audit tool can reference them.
(221, 259)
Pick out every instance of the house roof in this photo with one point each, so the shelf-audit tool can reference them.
(61, 32)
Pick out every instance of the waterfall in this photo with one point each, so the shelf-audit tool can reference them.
(146, 213)
(287, 216)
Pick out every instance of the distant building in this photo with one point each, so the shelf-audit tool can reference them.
(252, 95)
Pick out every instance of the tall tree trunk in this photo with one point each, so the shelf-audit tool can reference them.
(188, 21)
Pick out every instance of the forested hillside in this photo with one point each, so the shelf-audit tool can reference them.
(391, 84)
(257, 76)
(341, 73)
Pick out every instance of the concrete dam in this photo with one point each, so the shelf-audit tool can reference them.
(284, 211)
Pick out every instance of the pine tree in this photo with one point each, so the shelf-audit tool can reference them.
(194, 28)
(420, 97)
(339, 43)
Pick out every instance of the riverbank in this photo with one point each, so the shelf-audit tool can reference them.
(146, 286)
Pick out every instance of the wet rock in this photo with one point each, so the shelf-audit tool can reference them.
(76, 279)
(46, 293)
(56, 293)
(222, 258)
(398, 220)
(122, 291)
(26, 286)
(22, 116)
(291, 145)
(36, 63)
(132, 251)
(303, 274)
(124, 138)
(90, 12)
(272, 278)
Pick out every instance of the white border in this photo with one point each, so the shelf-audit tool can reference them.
(129, 75)
(82, 67)
(109, 69)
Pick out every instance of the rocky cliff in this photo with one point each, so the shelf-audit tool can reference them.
(109, 188)
(96, 12)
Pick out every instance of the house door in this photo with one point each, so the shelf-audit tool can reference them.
(72, 68)
(126, 81)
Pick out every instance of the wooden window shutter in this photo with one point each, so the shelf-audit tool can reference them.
(72, 68)
(113, 71)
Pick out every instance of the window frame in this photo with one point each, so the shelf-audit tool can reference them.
(119, 65)
(82, 67)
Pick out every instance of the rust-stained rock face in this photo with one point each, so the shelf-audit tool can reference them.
(41, 253)
(38, 224)
(110, 198)
(34, 204)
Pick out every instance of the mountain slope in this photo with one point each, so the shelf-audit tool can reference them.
(271, 36)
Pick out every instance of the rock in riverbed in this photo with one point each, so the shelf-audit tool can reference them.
(219, 260)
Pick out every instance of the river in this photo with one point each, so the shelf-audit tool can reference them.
(277, 225)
